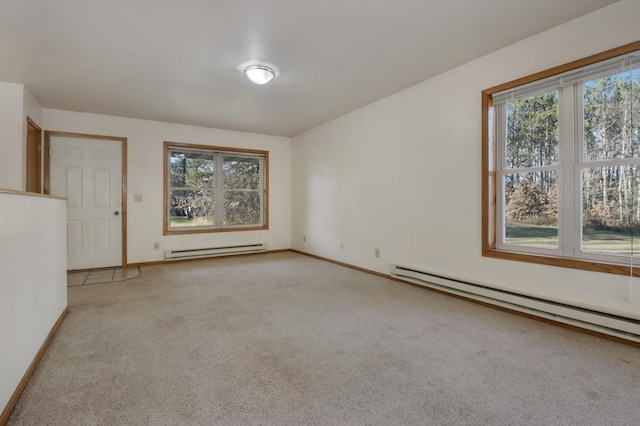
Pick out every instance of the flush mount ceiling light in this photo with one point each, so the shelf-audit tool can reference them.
(259, 74)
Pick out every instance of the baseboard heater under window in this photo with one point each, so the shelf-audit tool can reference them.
(214, 251)
(602, 322)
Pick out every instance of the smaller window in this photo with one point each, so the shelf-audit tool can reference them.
(210, 189)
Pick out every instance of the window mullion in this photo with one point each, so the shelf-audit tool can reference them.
(531, 169)
(218, 208)
(263, 189)
(612, 162)
(567, 136)
(578, 140)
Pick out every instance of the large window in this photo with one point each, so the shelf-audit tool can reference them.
(210, 189)
(561, 180)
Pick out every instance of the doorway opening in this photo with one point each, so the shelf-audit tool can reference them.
(34, 155)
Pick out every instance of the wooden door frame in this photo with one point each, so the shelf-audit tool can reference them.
(29, 168)
(47, 169)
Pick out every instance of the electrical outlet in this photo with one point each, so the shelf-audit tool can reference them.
(156, 246)
(377, 252)
(137, 198)
(341, 246)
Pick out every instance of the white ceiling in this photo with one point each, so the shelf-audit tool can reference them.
(178, 60)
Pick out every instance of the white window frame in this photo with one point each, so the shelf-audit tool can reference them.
(503, 171)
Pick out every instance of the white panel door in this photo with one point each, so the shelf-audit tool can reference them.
(88, 173)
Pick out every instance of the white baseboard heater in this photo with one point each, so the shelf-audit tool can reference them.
(214, 251)
(602, 322)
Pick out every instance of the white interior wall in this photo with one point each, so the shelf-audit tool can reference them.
(11, 137)
(145, 177)
(404, 174)
(33, 281)
(31, 109)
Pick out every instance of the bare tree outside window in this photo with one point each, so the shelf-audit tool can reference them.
(209, 188)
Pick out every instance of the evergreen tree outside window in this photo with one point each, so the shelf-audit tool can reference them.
(561, 179)
(212, 189)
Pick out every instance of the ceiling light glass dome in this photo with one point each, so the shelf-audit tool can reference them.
(259, 74)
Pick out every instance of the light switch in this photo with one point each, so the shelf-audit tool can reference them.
(137, 198)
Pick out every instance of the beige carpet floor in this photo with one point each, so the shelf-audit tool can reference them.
(284, 339)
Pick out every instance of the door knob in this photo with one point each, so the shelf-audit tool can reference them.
(116, 213)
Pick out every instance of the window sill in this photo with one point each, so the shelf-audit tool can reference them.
(214, 230)
(585, 265)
